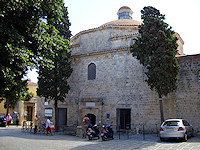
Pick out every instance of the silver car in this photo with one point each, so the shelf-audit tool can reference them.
(175, 128)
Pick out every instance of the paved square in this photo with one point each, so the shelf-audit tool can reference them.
(13, 138)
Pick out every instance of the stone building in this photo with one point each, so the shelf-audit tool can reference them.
(108, 84)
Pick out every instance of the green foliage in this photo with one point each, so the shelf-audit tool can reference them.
(156, 48)
(28, 38)
(13, 93)
(53, 82)
(26, 96)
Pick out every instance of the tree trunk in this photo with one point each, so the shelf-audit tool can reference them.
(7, 106)
(161, 110)
(56, 115)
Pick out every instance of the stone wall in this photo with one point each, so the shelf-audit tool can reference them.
(188, 92)
(120, 83)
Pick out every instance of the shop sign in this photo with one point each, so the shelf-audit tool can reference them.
(48, 112)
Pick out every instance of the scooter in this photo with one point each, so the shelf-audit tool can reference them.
(92, 132)
(107, 132)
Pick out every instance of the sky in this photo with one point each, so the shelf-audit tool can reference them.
(181, 15)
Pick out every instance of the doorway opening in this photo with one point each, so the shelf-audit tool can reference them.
(29, 116)
(92, 118)
(62, 116)
(124, 118)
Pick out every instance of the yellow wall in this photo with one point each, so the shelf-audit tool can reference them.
(33, 89)
(3, 110)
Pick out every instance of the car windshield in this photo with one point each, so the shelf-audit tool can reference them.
(171, 123)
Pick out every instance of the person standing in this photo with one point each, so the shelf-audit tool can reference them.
(17, 120)
(86, 123)
(8, 119)
(36, 124)
(48, 125)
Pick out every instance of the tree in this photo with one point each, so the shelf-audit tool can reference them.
(26, 39)
(53, 82)
(156, 49)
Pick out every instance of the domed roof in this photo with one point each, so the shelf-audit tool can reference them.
(124, 9)
(124, 18)
(122, 22)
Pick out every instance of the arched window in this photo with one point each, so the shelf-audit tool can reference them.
(91, 71)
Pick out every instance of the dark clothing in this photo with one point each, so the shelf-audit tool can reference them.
(35, 130)
(17, 121)
(9, 122)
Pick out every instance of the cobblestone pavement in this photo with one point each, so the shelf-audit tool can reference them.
(13, 138)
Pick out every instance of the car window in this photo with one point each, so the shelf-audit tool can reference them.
(171, 123)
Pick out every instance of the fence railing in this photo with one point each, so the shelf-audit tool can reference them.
(135, 129)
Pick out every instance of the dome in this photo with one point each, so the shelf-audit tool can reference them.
(124, 9)
(122, 22)
(125, 13)
(124, 18)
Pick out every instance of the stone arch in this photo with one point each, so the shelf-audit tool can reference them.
(92, 118)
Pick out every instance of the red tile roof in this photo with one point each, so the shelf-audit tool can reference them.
(31, 83)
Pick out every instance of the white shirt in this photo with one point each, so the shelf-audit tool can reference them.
(48, 123)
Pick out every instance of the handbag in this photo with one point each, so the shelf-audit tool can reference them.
(52, 127)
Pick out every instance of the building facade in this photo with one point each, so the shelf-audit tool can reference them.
(108, 84)
(25, 109)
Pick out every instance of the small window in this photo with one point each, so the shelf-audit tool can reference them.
(199, 76)
(91, 71)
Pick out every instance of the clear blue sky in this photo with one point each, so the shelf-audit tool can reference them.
(182, 15)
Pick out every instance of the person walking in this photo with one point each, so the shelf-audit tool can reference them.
(8, 119)
(86, 123)
(48, 125)
(36, 124)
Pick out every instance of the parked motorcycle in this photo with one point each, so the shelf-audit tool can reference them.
(107, 132)
(93, 132)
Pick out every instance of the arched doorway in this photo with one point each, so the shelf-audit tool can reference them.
(92, 118)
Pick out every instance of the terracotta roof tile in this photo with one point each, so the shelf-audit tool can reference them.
(31, 83)
(122, 22)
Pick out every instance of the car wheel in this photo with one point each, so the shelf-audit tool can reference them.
(185, 137)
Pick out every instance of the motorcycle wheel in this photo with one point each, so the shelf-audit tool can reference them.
(89, 137)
